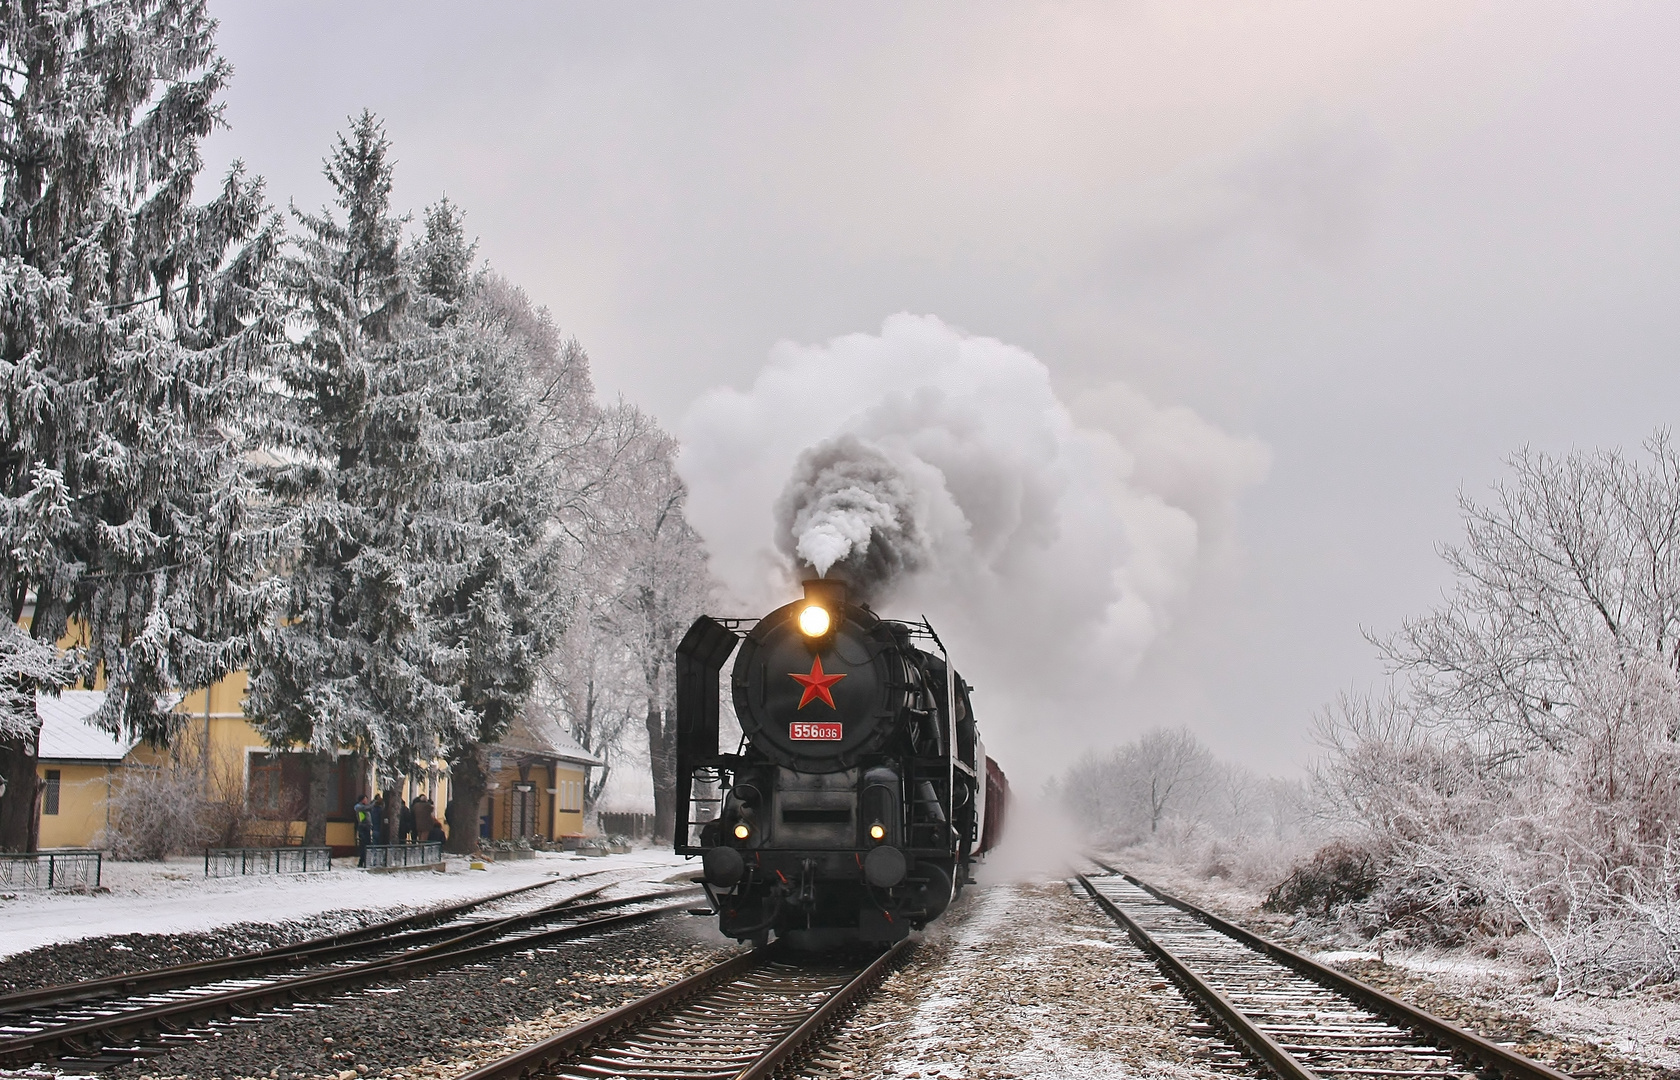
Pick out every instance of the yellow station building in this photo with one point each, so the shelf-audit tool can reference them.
(537, 774)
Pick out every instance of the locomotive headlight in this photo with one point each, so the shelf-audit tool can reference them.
(877, 832)
(813, 621)
(742, 831)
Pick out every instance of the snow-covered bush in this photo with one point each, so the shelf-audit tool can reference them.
(158, 811)
(1523, 772)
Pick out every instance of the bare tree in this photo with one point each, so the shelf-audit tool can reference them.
(1576, 563)
(1128, 794)
(1168, 766)
(1524, 764)
(663, 586)
(590, 685)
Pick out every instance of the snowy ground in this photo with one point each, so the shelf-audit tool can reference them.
(175, 897)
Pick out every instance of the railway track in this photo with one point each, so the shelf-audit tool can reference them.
(1299, 1018)
(737, 1020)
(112, 1021)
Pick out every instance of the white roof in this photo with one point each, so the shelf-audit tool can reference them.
(537, 734)
(66, 733)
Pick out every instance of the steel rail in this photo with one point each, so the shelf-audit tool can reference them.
(312, 949)
(1481, 1051)
(825, 1015)
(1258, 1043)
(556, 1051)
(533, 1060)
(89, 1038)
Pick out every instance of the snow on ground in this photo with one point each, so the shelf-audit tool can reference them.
(1034, 982)
(175, 897)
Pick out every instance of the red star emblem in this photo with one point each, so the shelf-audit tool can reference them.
(816, 684)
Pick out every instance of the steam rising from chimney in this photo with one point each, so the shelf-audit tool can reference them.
(940, 474)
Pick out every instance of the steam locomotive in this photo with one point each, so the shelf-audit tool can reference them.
(860, 793)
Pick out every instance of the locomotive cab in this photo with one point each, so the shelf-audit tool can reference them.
(855, 801)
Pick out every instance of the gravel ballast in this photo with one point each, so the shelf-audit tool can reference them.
(93, 958)
(1022, 980)
(448, 1022)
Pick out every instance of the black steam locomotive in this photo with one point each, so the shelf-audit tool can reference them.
(860, 791)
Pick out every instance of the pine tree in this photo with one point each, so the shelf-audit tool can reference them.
(354, 661)
(133, 327)
(498, 604)
(417, 596)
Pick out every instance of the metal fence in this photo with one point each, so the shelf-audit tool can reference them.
(232, 862)
(381, 856)
(51, 870)
(635, 826)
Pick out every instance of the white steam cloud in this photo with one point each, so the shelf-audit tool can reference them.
(941, 474)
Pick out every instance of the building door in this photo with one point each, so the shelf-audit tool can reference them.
(522, 810)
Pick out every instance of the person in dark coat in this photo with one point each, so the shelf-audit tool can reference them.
(364, 828)
(423, 817)
(376, 820)
(435, 836)
(405, 822)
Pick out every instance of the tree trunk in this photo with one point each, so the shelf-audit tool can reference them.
(662, 760)
(19, 826)
(393, 813)
(321, 764)
(593, 786)
(468, 780)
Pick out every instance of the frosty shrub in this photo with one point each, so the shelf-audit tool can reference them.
(1337, 874)
(158, 811)
(1523, 774)
(180, 806)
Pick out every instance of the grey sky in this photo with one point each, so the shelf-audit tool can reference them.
(1392, 242)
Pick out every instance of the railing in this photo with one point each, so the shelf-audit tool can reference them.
(615, 823)
(381, 856)
(232, 862)
(51, 870)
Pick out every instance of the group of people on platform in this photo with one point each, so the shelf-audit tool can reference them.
(416, 824)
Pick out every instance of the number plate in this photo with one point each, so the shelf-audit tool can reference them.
(814, 732)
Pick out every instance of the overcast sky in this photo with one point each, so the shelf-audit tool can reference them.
(1390, 242)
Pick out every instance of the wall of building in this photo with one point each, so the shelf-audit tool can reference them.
(552, 808)
(83, 791)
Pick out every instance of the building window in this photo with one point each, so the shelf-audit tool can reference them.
(49, 803)
(264, 794)
(279, 786)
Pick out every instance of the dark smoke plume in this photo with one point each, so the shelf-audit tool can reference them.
(849, 510)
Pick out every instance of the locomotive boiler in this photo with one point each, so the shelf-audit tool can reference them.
(860, 792)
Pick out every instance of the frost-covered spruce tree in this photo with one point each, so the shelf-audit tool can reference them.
(491, 499)
(131, 322)
(360, 658)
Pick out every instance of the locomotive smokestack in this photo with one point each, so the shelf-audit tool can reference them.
(827, 593)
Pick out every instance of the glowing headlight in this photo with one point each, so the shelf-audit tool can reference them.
(877, 831)
(742, 831)
(813, 621)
